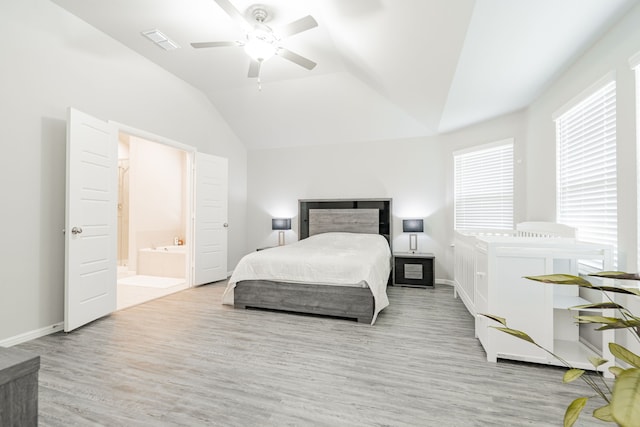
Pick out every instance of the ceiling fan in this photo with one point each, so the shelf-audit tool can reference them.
(262, 42)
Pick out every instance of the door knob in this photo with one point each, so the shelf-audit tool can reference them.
(76, 230)
(225, 225)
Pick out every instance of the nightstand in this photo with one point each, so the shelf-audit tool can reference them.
(415, 270)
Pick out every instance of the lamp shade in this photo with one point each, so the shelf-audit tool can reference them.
(281, 223)
(412, 225)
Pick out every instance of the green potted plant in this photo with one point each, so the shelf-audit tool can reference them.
(622, 400)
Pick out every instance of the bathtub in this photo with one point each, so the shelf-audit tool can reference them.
(164, 261)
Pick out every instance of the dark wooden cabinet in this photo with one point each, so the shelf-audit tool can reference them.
(413, 269)
(18, 387)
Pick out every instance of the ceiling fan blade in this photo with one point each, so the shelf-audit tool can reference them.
(297, 59)
(297, 26)
(234, 14)
(200, 45)
(254, 68)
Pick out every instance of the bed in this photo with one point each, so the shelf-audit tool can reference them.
(340, 267)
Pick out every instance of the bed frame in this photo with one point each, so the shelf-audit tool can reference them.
(315, 217)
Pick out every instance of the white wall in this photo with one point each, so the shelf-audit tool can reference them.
(52, 60)
(416, 173)
(278, 178)
(157, 190)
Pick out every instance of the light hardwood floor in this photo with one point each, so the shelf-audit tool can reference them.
(187, 360)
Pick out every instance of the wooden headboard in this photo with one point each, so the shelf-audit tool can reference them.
(349, 215)
(346, 220)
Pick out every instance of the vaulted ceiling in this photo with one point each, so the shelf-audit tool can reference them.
(387, 69)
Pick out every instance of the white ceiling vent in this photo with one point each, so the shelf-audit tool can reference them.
(160, 39)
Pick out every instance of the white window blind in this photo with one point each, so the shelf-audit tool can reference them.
(483, 187)
(586, 167)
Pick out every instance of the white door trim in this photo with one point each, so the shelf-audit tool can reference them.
(152, 137)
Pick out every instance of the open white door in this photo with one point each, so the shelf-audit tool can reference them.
(91, 221)
(210, 227)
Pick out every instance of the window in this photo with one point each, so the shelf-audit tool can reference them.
(483, 187)
(586, 165)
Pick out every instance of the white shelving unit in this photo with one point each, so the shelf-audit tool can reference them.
(566, 302)
(497, 286)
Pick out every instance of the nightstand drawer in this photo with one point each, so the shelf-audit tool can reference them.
(413, 270)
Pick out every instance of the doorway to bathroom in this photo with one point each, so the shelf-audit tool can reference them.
(152, 249)
(91, 216)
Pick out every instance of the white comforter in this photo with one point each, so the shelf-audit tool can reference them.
(331, 258)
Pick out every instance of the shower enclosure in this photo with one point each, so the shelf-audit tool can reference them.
(123, 212)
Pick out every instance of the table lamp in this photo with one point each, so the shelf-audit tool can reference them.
(281, 224)
(413, 226)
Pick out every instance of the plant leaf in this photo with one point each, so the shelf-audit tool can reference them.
(603, 414)
(597, 361)
(625, 399)
(516, 333)
(573, 411)
(619, 290)
(609, 322)
(625, 355)
(621, 324)
(616, 370)
(598, 319)
(600, 305)
(496, 318)
(616, 275)
(561, 279)
(572, 375)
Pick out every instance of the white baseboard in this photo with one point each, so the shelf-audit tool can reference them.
(445, 282)
(31, 335)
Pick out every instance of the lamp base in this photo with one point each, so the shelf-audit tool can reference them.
(413, 243)
(281, 238)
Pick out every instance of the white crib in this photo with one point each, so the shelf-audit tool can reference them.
(489, 278)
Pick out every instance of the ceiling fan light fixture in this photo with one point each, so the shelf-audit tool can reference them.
(261, 41)
(261, 45)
